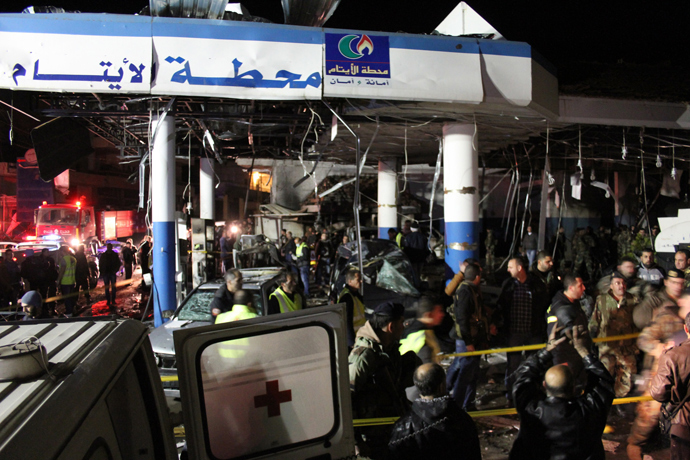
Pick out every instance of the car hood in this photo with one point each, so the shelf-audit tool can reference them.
(162, 337)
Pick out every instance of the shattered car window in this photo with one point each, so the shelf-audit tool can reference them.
(391, 277)
(198, 307)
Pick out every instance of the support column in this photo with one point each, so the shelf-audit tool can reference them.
(543, 210)
(460, 203)
(388, 209)
(207, 202)
(163, 213)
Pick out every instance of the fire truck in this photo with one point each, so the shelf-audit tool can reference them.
(77, 224)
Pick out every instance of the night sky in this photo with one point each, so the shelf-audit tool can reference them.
(565, 32)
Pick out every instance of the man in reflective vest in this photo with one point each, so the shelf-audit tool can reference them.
(418, 335)
(395, 235)
(284, 298)
(354, 304)
(303, 256)
(66, 278)
(243, 309)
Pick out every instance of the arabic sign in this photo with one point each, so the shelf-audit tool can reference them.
(197, 57)
(402, 67)
(67, 57)
(357, 55)
(224, 63)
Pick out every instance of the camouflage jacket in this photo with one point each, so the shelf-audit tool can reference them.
(585, 243)
(665, 324)
(624, 249)
(640, 243)
(611, 317)
(646, 310)
(377, 383)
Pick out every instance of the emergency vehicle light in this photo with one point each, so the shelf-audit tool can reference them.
(78, 204)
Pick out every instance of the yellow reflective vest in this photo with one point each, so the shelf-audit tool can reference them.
(358, 318)
(284, 301)
(70, 264)
(233, 349)
(413, 342)
(398, 239)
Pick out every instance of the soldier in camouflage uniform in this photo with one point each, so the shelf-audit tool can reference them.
(583, 246)
(666, 321)
(490, 244)
(641, 241)
(623, 240)
(613, 316)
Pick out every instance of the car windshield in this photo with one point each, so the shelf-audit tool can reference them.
(57, 216)
(198, 306)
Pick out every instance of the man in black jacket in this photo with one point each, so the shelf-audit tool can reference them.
(109, 265)
(559, 425)
(436, 427)
(224, 298)
(565, 308)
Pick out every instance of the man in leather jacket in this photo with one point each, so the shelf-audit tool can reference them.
(669, 385)
(436, 426)
(559, 425)
(566, 309)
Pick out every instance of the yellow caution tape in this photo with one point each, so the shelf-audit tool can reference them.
(73, 294)
(484, 413)
(534, 347)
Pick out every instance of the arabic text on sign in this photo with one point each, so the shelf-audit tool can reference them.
(248, 79)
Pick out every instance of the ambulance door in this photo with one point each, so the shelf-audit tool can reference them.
(268, 387)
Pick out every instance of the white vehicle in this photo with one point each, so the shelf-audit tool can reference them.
(194, 311)
(95, 392)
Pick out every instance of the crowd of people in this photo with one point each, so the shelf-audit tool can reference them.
(68, 275)
(562, 393)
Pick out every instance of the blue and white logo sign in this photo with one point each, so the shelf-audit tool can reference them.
(357, 55)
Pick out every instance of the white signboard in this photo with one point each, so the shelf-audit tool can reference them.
(236, 60)
(403, 67)
(75, 52)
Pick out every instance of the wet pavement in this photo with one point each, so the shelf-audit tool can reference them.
(131, 300)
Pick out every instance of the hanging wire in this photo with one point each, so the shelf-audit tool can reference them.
(624, 149)
(405, 167)
(579, 150)
(673, 162)
(644, 182)
(437, 173)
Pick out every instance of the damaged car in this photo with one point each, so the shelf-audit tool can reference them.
(387, 273)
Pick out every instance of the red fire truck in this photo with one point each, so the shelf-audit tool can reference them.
(77, 224)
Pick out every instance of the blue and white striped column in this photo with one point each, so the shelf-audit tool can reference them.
(460, 202)
(163, 213)
(207, 200)
(388, 207)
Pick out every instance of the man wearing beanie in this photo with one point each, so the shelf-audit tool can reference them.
(32, 304)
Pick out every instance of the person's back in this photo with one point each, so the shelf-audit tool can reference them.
(242, 309)
(436, 426)
(109, 262)
(557, 425)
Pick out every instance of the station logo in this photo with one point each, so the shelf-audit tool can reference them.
(357, 56)
(363, 43)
